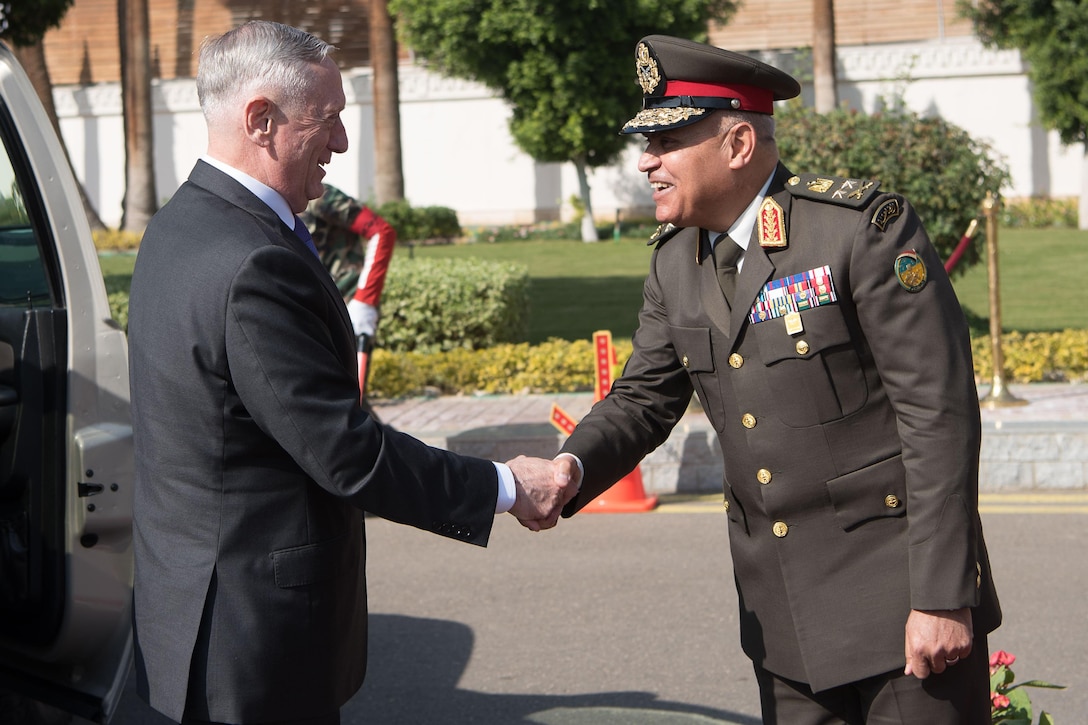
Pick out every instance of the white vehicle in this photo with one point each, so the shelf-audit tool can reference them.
(65, 432)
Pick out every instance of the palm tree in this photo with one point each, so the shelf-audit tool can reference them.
(388, 172)
(823, 55)
(140, 202)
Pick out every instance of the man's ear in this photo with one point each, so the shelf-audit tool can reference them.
(259, 120)
(742, 145)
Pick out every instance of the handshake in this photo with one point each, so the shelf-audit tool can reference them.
(543, 488)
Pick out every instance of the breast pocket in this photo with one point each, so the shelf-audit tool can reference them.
(815, 375)
(695, 350)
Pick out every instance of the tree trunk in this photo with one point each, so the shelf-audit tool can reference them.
(823, 55)
(1082, 208)
(388, 171)
(140, 201)
(589, 228)
(32, 59)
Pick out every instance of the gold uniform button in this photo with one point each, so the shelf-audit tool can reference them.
(891, 501)
(763, 476)
(780, 529)
(748, 420)
(802, 347)
(725, 504)
(684, 361)
(735, 361)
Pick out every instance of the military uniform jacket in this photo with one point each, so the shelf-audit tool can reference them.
(850, 445)
(254, 464)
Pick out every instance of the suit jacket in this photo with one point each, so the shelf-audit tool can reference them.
(850, 445)
(254, 464)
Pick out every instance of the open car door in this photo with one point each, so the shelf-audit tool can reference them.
(65, 431)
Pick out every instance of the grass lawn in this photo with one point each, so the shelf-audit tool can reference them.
(579, 288)
(1041, 274)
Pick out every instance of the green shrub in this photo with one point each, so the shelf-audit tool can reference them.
(115, 240)
(1039, 213)
(432, 305)
(937, 166)
(554, 366)
(1033, 357)
(558, 366)
(417, 224)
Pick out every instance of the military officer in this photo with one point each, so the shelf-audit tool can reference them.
(814, 320)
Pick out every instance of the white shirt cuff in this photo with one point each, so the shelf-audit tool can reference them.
(507, 491)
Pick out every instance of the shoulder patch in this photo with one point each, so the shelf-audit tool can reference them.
(854, 193)
(886, 214)
(664, 233)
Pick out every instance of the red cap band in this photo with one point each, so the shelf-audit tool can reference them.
(752, 98)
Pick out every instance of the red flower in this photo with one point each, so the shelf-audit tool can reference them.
(999, 701)
(1001, 657)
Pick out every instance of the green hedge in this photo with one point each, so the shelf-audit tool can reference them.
(554, 366)
(417, 224)
(936, 165)
(432, 305)
(557, 366)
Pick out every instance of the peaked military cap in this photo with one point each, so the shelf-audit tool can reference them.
(684, 81)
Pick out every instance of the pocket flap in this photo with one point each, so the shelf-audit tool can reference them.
(876, 491)
(301, 566)
(693, 348)
(824, 327)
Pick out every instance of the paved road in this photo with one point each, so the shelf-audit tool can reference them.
(631, 618)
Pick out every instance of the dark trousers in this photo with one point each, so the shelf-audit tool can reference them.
(958, 696)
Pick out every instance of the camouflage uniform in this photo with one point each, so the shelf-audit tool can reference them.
(347, 233)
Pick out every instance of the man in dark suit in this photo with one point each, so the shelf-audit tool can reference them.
(813, 318)
(254, 461)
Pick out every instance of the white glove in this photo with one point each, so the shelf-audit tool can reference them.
(364, 317)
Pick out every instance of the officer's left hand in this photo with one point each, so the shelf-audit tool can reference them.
(936, 640)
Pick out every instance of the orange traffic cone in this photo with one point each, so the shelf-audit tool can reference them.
(626, 496)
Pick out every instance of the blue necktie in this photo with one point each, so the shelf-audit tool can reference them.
(304, 234)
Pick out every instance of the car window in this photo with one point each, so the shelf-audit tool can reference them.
(22, 272)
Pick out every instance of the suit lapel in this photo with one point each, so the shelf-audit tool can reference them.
(216, 182)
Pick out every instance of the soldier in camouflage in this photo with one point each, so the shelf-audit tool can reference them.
(355, 245)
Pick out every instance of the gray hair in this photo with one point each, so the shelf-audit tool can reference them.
(257, 57)
(763, 123)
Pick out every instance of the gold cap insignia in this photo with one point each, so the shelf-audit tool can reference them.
(910, 270)
(646, 69)
(651, 117)
(771, 224)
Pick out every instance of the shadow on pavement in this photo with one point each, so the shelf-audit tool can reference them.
(416, 664)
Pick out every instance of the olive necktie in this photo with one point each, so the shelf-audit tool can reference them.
(726, 255)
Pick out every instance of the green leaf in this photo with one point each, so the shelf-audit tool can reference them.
(1038, 683)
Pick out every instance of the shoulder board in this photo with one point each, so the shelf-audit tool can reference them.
(664, 233)
(854, 193)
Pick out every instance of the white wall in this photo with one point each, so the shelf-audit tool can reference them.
(458, 153)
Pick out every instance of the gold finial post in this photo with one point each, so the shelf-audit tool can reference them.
(999, 395)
